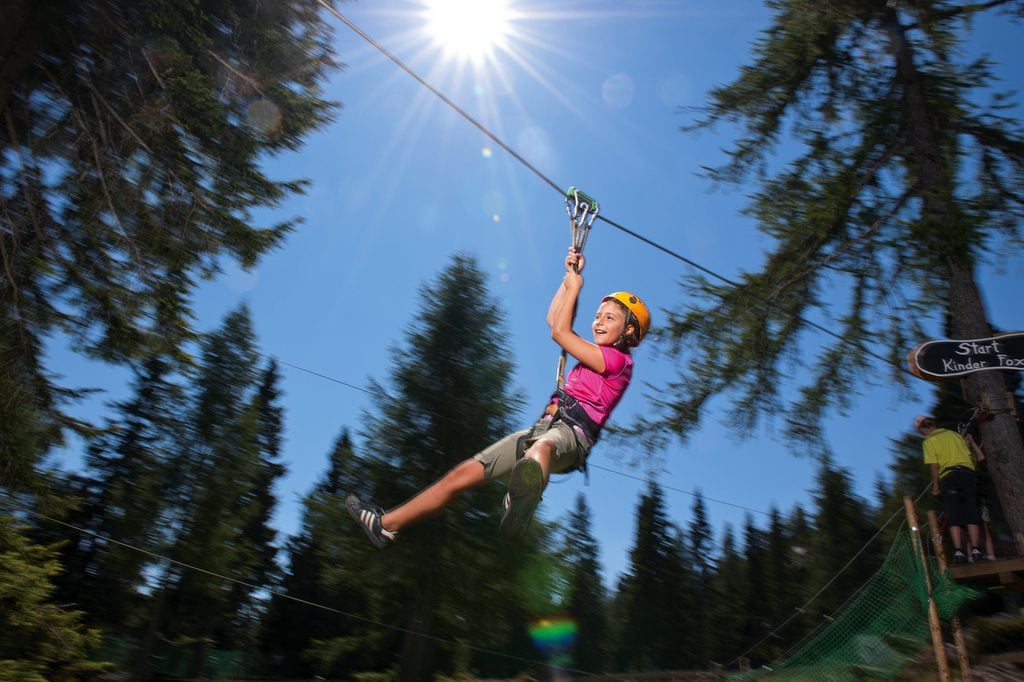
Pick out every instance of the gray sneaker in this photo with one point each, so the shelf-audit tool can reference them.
(525, 485)
(369, 519)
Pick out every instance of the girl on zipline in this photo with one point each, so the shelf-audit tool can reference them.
(561, 438)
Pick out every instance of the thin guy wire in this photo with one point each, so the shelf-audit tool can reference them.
(589, 464)
(678, 490)
(377, 394)
(596, 466)
(387, 398)
(283, 595)
(757, 511)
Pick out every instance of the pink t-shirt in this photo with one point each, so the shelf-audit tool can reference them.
(599, 393)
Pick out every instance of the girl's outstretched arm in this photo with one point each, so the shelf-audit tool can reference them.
(560, 314)
(558, 300)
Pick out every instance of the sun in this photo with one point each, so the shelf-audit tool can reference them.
(469, 30)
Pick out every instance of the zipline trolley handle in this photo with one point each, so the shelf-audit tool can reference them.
(582, 210)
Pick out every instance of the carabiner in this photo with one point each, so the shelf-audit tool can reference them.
(582, 210)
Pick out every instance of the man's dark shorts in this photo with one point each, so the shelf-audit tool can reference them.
(960, 497)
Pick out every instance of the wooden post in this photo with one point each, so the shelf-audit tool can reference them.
(933, 611)
(958, 632)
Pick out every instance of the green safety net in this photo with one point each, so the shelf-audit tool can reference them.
(882, 629)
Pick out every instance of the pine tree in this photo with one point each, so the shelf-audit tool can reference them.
(299, 639)
(451, 397)
(842, 523)
(727, 607)
(228, 473)
(908, 476)
(646, 596)
(257, 534)
(903, 179)
(780, 595)
(700, 543)
(800, 533)
(587, 601)
(754, 594)
(40, 640)
(125, 503)
(130, 155)
(676, 653)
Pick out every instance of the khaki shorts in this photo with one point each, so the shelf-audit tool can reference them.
(571, 448)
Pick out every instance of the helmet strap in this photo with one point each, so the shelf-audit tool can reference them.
(626, 335)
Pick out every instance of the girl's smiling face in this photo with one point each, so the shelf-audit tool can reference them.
(609, 324)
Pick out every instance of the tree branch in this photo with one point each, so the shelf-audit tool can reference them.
(142, 143)
(26, 186)
(250, 81)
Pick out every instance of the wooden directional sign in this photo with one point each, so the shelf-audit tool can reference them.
(949, 358)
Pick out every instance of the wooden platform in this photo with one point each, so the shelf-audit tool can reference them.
(1001, 572)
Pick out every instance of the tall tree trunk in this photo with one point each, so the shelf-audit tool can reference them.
(1004, 449)
(1002, 439)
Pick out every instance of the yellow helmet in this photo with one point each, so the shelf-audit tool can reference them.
(640, 312)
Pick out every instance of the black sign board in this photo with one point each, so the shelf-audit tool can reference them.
(949, 358)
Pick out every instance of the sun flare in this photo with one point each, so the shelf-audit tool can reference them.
(468, 29)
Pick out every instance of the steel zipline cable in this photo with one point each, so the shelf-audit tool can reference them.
(555, 186)
(440, 95)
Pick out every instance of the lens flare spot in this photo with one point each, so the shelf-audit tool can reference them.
(492, 203)
(617, 91)
(554, 637)
(487, 152)
(264, 116)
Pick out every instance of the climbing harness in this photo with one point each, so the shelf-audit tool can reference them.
(572, 413)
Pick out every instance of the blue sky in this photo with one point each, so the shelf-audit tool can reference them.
(592, 94)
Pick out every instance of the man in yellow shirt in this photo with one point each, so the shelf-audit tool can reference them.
(954, 479)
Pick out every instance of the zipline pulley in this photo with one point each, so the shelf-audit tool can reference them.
(582, 210)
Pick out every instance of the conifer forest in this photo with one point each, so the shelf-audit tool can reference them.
(134, 169)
